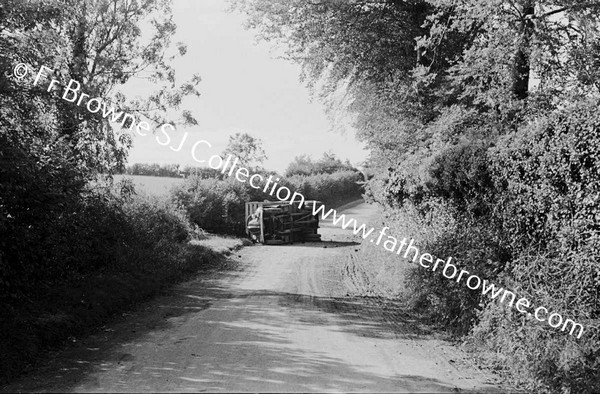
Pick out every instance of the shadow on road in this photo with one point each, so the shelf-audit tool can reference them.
(252, 347)
(322, 244)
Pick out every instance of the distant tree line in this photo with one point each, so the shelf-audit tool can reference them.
(301, 165)
(327, 164)
(172, 171)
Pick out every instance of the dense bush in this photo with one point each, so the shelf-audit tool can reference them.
(550, 176)
(157, 220)
(72, 268)
(461, 176)
(331, 189)
(173, 171)
(203, 172)
(537, 354)
(473, 246)
(525, 214)
(164, 170)
(216, 205)
(97, 232)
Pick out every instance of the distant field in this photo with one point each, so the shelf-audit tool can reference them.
(151, 184)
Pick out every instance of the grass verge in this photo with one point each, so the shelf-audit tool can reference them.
(77, 308)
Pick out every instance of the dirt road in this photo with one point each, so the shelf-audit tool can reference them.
(281, 322)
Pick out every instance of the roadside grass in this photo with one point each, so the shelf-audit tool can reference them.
(378, 272)
(222, 244)
(388, 280)
(74, 309)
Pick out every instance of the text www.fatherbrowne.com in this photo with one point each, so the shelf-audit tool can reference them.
(449, 270)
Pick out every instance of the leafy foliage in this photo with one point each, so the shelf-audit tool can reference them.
(548, 177)
(59, 223)
(164, 170)
(486, 117)
(327, 164)
(246, 148)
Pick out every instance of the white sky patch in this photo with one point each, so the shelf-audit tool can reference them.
(243, 88)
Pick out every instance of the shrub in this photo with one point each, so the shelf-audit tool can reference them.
(550, 172)
(550, 176)
(537, 354)
(524, 213)
(474, 246)
(331, 189)
(75, 265)
(327, 164)
(460, 175)
(158, 220)
(214, 205)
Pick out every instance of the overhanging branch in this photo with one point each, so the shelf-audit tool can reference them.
(571, 8)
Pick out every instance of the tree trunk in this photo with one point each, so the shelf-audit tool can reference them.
(522, 66)
(77, 71)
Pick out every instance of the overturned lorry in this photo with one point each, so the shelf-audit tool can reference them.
(277, 223)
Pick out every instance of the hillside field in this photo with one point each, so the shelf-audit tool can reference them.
(151, 184)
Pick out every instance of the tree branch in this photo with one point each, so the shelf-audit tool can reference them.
(571, 8)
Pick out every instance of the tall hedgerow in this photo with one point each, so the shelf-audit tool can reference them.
(549, 175)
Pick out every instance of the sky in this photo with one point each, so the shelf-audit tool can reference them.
(244, 88)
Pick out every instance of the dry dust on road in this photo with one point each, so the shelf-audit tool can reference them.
(282, 321)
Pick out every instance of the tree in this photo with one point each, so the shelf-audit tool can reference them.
(457, 130)
(101, 46)
(364, 49)
(511, 40)
(246, 148)
(51, 149)
(420, 75)
(301, 165)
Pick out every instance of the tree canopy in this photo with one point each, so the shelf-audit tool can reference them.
(99, 44)
(408, 67)
(246, 148)
(53, 151)
(327, 164)
(481, 121)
